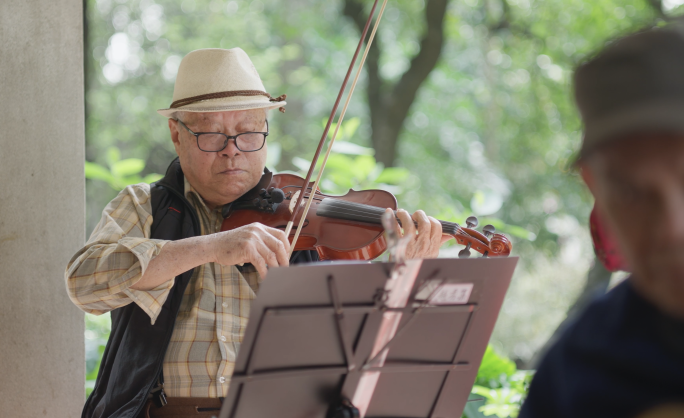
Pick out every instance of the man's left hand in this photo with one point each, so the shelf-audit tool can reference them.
(425, 239)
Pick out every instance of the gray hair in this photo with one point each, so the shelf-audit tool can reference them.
(180, 114)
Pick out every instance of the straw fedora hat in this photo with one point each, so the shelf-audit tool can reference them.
(219, 80)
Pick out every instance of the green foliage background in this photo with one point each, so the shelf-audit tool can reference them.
(491, 132)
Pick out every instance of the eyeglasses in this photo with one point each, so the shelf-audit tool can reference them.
(216, 141)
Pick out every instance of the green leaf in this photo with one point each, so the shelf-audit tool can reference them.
(331, 131)
(340, 183)
(113, 155)
(92, 375)
(340, 163)
(372, 178)
(128, 167)
(363, 166)
(347, 130)
(95, 171)
(350, 127)
(487, 393)
(503, 403)
(346, 147)
(519, 232)
(127, 181)
(301, 163)
(152, 177)
(90, 386)
(493, 366)
(472, 407)
(393, 175)
(514, 230)
(274, 153)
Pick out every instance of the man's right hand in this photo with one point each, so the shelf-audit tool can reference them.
(255, 243)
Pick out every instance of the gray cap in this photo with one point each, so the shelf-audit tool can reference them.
(636, 85)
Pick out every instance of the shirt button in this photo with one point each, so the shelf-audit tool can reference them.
(222, 379)
(224, 304)
(223, 338)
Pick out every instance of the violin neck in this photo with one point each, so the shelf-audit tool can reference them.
(351, 211)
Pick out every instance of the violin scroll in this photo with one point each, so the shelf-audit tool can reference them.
(501, 246)
(488, 243)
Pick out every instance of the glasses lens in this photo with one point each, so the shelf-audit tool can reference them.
(211, 142)
(250, 141)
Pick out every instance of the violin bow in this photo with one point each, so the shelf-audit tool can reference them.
(310, 199)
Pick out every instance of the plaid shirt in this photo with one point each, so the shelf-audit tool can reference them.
(213, 314)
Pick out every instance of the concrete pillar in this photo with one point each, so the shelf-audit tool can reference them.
(42, 206)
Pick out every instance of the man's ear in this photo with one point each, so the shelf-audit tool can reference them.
(175, 135)
(588, 177)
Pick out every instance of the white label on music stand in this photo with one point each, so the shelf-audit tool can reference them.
(452, 294)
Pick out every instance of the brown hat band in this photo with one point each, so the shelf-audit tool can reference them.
(221, 94)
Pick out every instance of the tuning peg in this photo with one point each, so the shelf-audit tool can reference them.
(464, 253)
(277, 195)
(472, 222)
(488, 230)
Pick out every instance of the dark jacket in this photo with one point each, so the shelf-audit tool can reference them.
(133, 359)
(620, 358)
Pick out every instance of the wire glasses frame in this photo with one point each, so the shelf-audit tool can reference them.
(217, 141)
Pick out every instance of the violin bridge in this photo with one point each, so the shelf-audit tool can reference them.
(293, 201)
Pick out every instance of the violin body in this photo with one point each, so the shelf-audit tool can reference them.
(344, 227)
(333, 239)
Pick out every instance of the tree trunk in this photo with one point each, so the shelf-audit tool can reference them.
(390, 103)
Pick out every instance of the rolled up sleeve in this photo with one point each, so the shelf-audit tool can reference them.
(100, 275)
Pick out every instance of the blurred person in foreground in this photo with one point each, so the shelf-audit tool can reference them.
(624, 355)
(178, 288)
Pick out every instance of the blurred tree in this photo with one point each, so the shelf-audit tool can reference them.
(490, 130)
(389, 103)
(120, 173)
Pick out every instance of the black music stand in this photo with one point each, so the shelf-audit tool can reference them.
(312, 328)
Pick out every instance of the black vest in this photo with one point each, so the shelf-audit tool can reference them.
(133, 359)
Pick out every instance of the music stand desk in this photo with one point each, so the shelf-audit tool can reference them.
(312, 328)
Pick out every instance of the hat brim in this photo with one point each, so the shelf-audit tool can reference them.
(219, 105)
(654, 117)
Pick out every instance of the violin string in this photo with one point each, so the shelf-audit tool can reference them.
(354, 208)
(351, 209)
(350, 205)
(339, 123)
(333, 111)
(448, 227)
(306, 195)
(294, 186)
(375, 218)
(358, 211)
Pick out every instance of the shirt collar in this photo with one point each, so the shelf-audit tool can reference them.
(193, 195)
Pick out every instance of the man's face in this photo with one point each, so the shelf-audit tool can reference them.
(639, 188)
(223, 176)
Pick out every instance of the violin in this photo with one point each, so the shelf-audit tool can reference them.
(344, 227)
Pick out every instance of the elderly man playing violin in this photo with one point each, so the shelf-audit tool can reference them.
(178, 288)
(624, 356)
